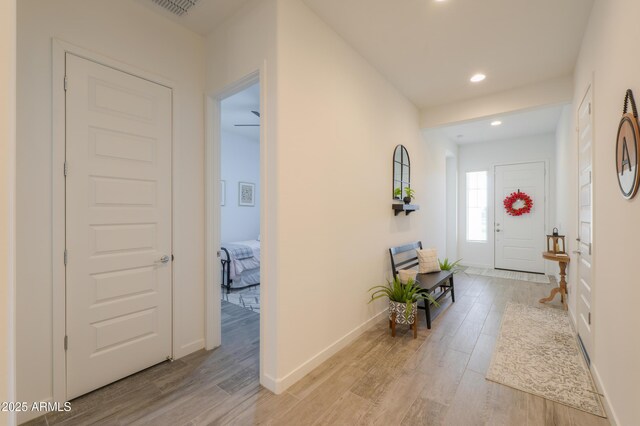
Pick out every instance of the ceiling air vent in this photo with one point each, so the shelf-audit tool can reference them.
(177, 7)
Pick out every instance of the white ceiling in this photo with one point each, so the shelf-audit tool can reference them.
(430, 49)
(202, 18)
(515, 125)
(237, 108)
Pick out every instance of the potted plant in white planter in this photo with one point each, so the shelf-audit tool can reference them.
(403, 301)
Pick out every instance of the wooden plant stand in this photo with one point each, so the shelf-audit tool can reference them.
(414, 326)
(562, 288)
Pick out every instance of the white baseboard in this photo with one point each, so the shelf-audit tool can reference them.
(270, 383)
(278, 386)
(613, 419)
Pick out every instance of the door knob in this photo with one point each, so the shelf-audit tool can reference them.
(497, 230)
(577, 252)
(164, 259)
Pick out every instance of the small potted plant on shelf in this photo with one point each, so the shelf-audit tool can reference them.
(409, 195)
(397, 193)
(403, 301)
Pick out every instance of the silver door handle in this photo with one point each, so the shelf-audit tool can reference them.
(577, 252)
(164, 259)
(497, 230)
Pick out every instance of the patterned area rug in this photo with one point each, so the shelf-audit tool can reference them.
(537, 352)
(512, 275)
(248, 298)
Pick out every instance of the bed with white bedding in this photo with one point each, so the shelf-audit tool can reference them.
(240, 264)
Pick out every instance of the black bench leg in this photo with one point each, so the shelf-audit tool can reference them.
(427, 311)
(453, 294)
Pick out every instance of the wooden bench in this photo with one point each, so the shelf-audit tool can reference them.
(438, 284)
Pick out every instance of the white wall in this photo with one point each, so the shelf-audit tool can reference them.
(338, 123)
(452, 206)
(7, 204)
(240, 162)
(129, 33)
(483, 156)
(607, 59)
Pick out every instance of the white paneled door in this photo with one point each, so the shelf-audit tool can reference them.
(520, 240)
(585, 283)
(118, 224)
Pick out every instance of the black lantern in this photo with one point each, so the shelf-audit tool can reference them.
(555, 242)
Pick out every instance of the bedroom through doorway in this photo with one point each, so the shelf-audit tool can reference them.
(239, 214)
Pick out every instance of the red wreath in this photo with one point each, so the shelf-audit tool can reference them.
(513, 198)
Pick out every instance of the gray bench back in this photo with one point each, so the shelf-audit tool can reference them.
(404, 257)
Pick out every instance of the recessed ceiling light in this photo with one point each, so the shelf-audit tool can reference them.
(440, 1)
(496, 123)
(477, 78)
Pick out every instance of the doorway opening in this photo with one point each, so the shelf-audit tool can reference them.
(239, 213)
(235, 169)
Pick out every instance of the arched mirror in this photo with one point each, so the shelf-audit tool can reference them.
(401, 172)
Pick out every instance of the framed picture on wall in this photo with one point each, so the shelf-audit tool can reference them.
(223, 192)
(246, 194)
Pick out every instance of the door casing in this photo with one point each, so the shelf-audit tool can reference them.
(575, 314)
(59, 50)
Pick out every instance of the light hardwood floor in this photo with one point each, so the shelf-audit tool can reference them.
(436, 379)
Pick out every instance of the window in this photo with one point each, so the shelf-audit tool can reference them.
(477, 206)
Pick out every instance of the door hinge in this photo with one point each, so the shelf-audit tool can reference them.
(172, 258)
(589, 108)
(65, 257)
(66, 168)
(66, 82)
(66, 342)
(589, 319)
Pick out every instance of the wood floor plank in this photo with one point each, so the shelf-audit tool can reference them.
(320, 399)
(466, 336)
(470, 401)
(444, 376)
(492, 323)
(424, 411)
(482, 353)
(349, 408)
(257, 409)
(391, 407)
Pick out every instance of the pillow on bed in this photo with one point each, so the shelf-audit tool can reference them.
(404, 275)
(428, 260)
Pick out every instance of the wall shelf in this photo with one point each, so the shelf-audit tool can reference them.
(406, 208)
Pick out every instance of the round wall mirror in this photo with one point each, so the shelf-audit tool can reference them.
(401, 172)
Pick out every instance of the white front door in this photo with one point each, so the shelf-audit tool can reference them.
(585, 283)
(118, 224)
(520, 240)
